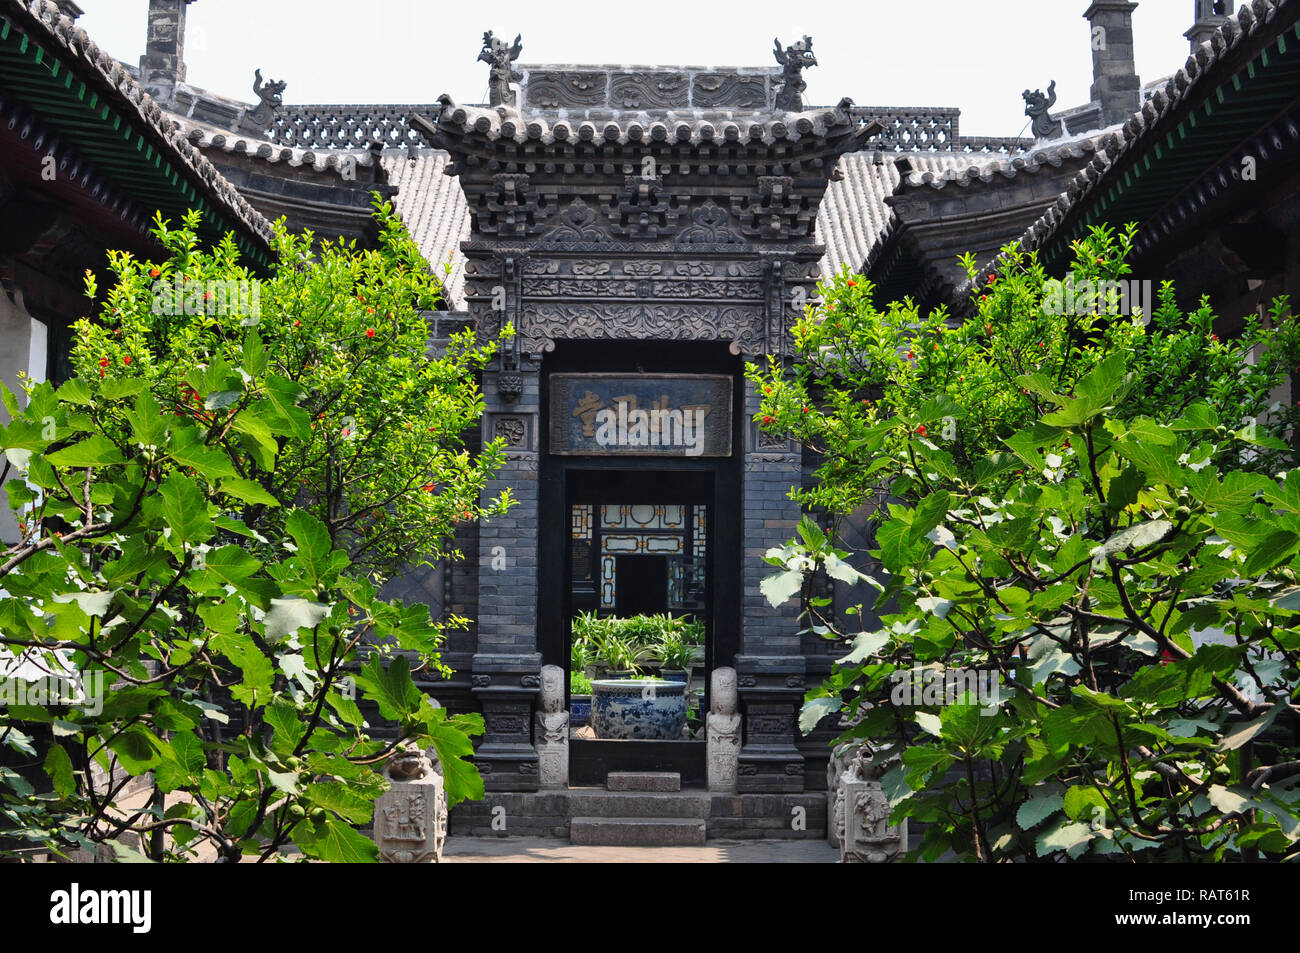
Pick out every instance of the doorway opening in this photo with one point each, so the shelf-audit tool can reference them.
(638, 561)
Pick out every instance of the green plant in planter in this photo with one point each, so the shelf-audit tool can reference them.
(673, 653)
(579, 684)
(618, 653)
(693, 633)
(581, 655)
(587, 626)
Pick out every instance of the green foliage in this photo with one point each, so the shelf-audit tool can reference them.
(623, 644)
(1101, 534)
(673, 652)
(579, 684)
(208, 509)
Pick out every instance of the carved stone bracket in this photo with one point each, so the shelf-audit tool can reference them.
(644, 209)
(511, 297)
(776, 302)
(511, 209)
(776, 211)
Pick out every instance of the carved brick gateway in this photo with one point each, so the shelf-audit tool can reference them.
(608, 206)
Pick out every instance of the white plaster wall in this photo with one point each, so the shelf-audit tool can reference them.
(23, 347)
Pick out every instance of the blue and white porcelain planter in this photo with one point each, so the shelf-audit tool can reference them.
(638, 709)
(579, 710)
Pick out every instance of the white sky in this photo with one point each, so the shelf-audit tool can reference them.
(975, 55)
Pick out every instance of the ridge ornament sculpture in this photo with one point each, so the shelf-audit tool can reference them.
(794, 60)
(1036, 108)
(499, 56)
(270, 96)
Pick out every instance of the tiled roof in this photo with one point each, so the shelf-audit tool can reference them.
(1052, 155)
(433, 207)
(854, 218)
(48, 25)
(1185, 89)
(428, 201)
(207, 137)
(691, 126)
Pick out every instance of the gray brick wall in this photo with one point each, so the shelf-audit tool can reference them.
(769, 519)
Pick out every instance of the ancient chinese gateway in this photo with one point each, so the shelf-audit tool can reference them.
(646, 231)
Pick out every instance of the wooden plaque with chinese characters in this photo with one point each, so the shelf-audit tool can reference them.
(641, 415)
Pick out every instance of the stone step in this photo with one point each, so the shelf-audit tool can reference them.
(594, 802)
(643, 781)
(636, 832)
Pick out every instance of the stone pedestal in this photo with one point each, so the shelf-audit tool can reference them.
(722, 735)
(865, 834)
(411, 816)
(859, 818)
(506, 686)
(551, 735)
(771, 690)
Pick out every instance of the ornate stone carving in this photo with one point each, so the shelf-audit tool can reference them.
(722, 739)
(480, 681)
(776, 211)
(649, 91)
(643, 209)
(642, 269)
(510, 387)
(1036, 108)
(552, 730)
(723, 697)
(794, 60)
(694, 269)
(506, 724)
(861, 813)
(551, 684)
(543, 324)
(410, 824)
(577, 222)
(513, 430)
(709, 226)
(499, 55)
(549, 89)
(511, 209)
(712, 90)
(530, 681)
(836, 765)
(270, 100)
(589, 269)
(772, 441)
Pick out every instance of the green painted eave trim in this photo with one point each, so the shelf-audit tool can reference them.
(1232, 111)
(109, 140)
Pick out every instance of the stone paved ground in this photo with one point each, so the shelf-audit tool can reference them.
(536, 850)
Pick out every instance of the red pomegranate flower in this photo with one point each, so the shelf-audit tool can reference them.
(370, 332)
